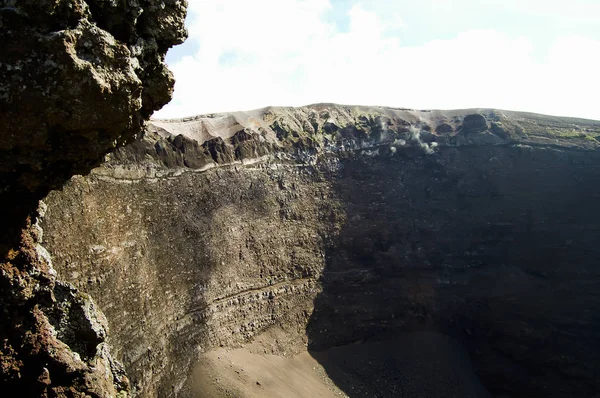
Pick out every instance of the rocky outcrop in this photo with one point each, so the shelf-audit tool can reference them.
(78, 78)
(320, 226)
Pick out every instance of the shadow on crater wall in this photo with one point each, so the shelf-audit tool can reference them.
(494, 247)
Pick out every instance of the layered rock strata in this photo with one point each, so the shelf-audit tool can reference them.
(77, 79)
(320, 226)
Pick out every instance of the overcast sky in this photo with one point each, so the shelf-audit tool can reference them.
(531, 55)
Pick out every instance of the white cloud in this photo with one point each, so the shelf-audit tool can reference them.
(582, 11)
(285, 52)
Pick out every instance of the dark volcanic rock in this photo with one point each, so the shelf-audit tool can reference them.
(474, 123)
(444, 128)
(293, 233)
(78, 78)
(493, 245)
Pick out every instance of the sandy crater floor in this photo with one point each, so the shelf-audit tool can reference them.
(422, 364)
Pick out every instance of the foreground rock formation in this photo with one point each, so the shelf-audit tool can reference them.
(281, 229)
(77, 79)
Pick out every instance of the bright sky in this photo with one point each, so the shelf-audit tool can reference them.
(530, 55)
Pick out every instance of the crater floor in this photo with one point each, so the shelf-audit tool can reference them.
(418, 364)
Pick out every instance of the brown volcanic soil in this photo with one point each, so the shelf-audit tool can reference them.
(240, 373)
(420, 364)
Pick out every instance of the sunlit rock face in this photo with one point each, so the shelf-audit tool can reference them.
(78, 78)
(283, 229)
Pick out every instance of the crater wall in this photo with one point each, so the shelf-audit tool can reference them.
(78, 78)
(282, 228)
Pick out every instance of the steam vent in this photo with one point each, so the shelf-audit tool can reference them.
(320, 251)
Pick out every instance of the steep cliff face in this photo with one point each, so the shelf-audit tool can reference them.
(77, 79)
(492, 245)
(182, 264)
(284, 228)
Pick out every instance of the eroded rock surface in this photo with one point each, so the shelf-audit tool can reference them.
(78, 78)
(283, 228)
